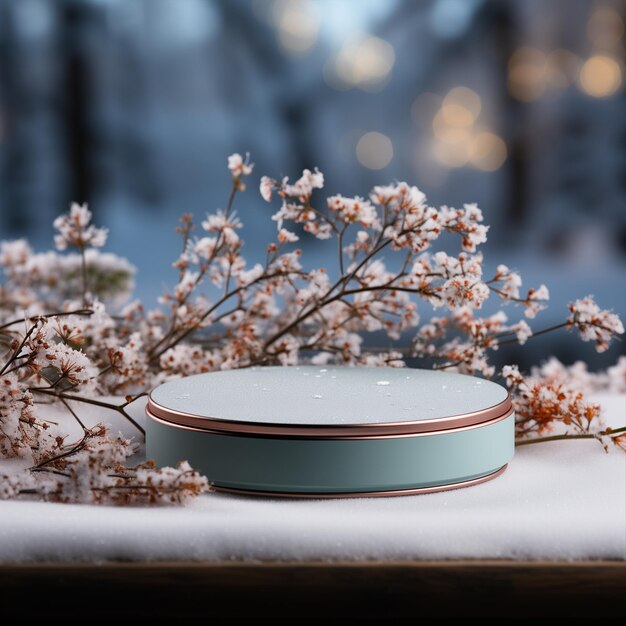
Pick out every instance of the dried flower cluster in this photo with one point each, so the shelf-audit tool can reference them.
(555, 395)
(69, 335)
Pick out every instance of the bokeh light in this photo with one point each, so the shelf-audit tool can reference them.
(487, 152)
(298, 24)
(459, 138)
(365, 62)
(449, 133)
(600, 76)
(605, 28)
(451, 154)
(527, 74)
(374, 150)
(454, 119)
(461, 106)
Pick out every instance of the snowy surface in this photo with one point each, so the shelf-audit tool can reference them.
(560, 500)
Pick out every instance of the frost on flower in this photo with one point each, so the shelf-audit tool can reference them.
(549, 399)
(509, 282)
(128, 362)
(296, 202)
(463, 285)
(286, 236)
(14, 254)
(522, 331)
(535, 301)
(266, 187)
(239, 166)
(186, 285)
(467, 222)
(184, 360)
(204, 248)
(93, 471)
(577, 376)
(593, 323)
(354, 210)
(304, 186)
(463, 341)
(75, 229)
(247, 277)
(15, 416)
(53, 278)
(49, 357)
(223, 224)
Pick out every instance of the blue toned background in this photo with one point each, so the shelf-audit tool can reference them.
(133, 106)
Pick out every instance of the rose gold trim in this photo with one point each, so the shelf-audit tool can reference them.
(364, 494)
(388, 428)
(302, 434)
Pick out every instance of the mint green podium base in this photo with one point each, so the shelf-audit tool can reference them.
(322, 467)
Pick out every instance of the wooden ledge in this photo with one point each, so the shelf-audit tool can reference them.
(367, 589)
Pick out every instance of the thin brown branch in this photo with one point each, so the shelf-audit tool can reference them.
(133, 398)
(187, 226)
(537, 334)
(188, 331)
(49, 470)
(105, 405)
(609, 432)
(325, 302)
(73, 450)
(83, 274)
(231, 197)
(18, 350)
(340, 249)
(309, 207)
(74, 415)
(85, 311)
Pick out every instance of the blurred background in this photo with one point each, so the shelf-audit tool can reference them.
(133, 106)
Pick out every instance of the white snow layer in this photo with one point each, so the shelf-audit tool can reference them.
(559, 500)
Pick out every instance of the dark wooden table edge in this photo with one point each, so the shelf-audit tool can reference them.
(316, 563)
(316, 588)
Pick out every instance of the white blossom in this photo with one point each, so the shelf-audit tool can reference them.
(522, 331)
(75, 229)
(286, 236)
(321, 230)
(14, 253)
(129, 362)
(317, 286)
(266, 187)
(535, 301)
(467, 222)
(594, 323)
(238, 166)
(205, 247)
(304, 186)
(185, 360)
(354, 210)
(225, 225)
(247, 277)
(186, 285)
(510, 282)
